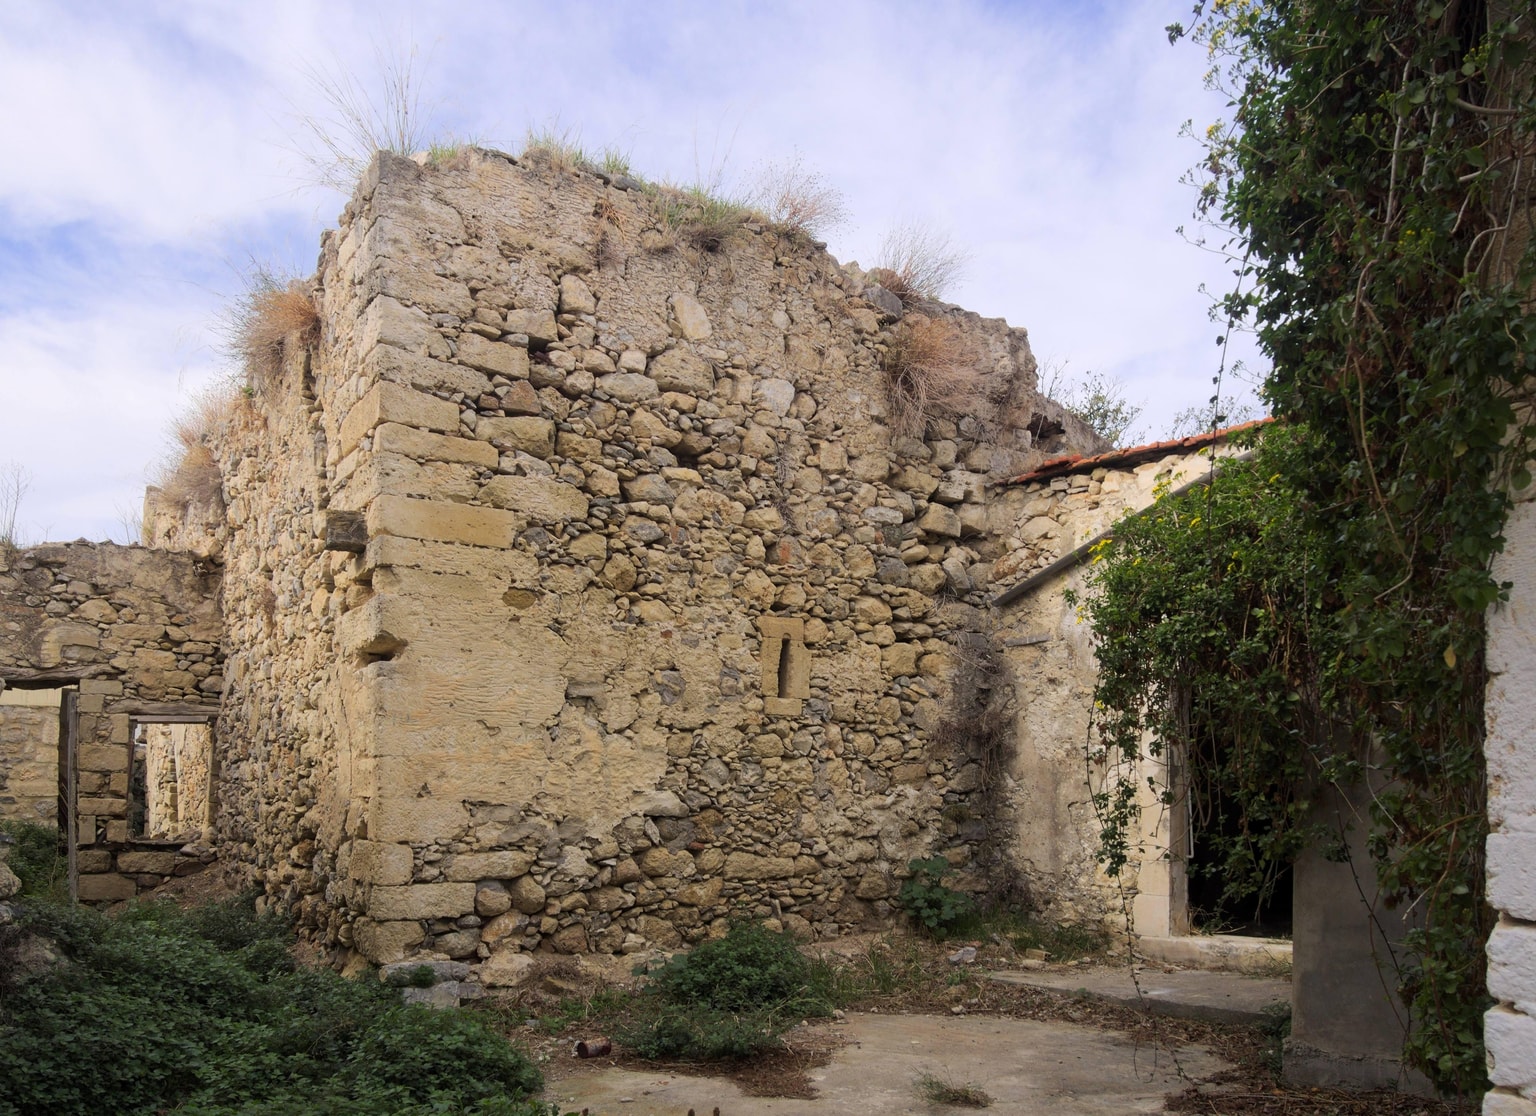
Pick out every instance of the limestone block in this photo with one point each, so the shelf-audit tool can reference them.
(1512, 873)
(390, 402)
(1510, 1037)
(504, 926)
(506, 969)
(158, 863)
(656, 804)
(387, 322)
(488, 866)
(648, 488)
(1499, 1103)
(577, 448)
(94, 860)
(527, 895)
(97, 611)
(98, 757)
(408, 442)
(106, 887)
(746, 866)
(404, 280)
(103, 807)
(423, 372)
(940, 520)
(521, 399)
(900, 658)
(660, 861)
(377, 862)
(688, 318)
(385, 942)
(491, 899)
(1512, 963)
(537, 325)
(442, 521)
(628, 387)
(704, 894)
(575, 296)
(775, 395)
(494, 357)
(542, 499)
(433, 900)
(525, 434)
(647, 425)
(684, 371)
(960, 486)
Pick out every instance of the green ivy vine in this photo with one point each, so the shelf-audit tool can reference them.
(1331, 597)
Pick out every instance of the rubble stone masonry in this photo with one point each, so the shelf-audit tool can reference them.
(578, 593)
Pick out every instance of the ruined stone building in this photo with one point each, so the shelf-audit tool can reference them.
(577, 577)
(580, 581)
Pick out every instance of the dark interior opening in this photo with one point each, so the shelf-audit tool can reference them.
(1216, 825)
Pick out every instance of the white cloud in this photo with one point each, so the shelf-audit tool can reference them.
(1043, 137)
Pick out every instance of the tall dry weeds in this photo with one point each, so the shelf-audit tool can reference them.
(189, 475)
(271, 315)
(798, 200)
(932, 370)
(918, 263)
(354, 119)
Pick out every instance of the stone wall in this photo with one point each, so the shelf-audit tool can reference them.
(1050, 652)
(29, 756)
(1510, 1026)
(635, 612)
(136, 633)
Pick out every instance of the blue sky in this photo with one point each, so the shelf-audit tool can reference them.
(152, 155)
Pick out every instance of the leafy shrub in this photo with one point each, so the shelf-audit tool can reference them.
(751, 967)
(936, 907)
(729, 998)
(35, 857)
(203, 1012)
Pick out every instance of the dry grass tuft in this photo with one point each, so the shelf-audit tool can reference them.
(357, 119)
(190, 475)
(917, 263)
(559, 150)
(798, 201)
(933, 371)
(942, 1090)
(698, 218)
(272, 315)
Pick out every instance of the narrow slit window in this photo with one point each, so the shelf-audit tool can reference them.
(786, 665)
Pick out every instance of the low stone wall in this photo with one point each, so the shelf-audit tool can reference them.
(112, 871)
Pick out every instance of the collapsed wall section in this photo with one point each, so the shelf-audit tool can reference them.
(128, 634)
(607, 601)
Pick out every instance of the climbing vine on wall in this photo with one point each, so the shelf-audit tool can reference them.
(1374, 178)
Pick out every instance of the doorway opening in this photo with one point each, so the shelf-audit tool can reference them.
(1216, 837)
(170, 780)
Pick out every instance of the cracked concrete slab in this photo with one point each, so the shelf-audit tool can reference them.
(1026, 1066)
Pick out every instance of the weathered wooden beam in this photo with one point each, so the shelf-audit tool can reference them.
(346, 531)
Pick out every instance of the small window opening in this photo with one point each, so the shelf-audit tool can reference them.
(786, 651)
